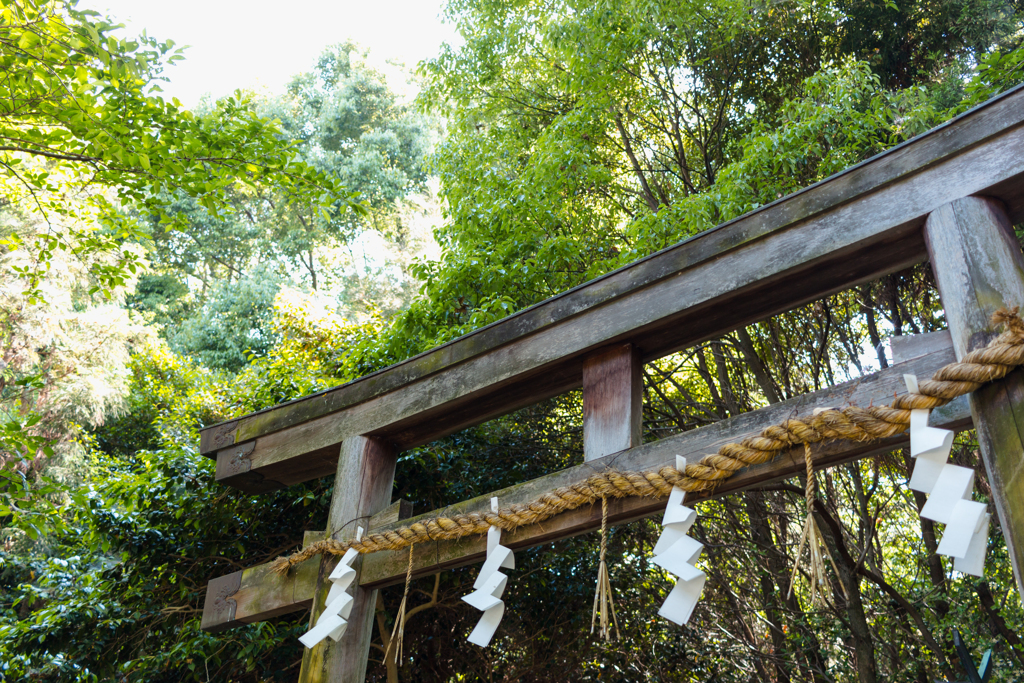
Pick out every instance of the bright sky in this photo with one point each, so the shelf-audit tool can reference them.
(238, 43)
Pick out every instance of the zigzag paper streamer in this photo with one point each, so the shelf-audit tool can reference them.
(949, 488)
(338, 606)
(490, 585)
(677, 553)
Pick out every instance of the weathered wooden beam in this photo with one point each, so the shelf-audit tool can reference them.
(979, 269)
(850, 228)
(909, 346)
(257, 594)
(381, 569)
(613, 398)
(362, 487)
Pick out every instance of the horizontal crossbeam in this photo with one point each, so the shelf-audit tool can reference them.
(850, 228)
(257, 594)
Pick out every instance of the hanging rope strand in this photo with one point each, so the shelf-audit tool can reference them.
(604, 599)
(852, 423)
(811, 536)
(398, 632)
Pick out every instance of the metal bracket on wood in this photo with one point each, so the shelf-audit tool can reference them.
(234, 465)
(219, 608)
(217, 437)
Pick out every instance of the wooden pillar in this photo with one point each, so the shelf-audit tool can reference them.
(979, 268)
(362, 487)
(612, 401)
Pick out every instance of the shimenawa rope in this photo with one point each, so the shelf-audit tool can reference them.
(852, 423)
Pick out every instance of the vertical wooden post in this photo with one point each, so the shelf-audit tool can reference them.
(979, 269)
(612, 401)
(362, 487)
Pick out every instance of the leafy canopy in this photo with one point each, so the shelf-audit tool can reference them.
(87, 140)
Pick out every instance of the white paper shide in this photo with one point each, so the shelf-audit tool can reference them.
(334, 619)
(677, 553)
(949, 488)
(490, 585)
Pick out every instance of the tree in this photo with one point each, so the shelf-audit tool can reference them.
(583, 136)
(88, 141)
(233, 324)
(87, 147)
(910, 42)
(62, 370)
(351, 125)
(345, 120)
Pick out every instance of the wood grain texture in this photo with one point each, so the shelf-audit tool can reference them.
(362, 487)
(381, 569)
(220, 605)
(847, 229)
(257, 594)
(613, 397)
(909, 346)
(979, 269)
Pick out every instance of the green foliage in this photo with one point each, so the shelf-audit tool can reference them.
(170, 395)
(233, 324)
(908, 42)
(997, 72)
(83, 132)
(351, 124)
(162, 298)
(521, 234)
(144, 533)
(207, 249)
(343, 119)
(308, 356)
(583, 136)
(62, 367)
(131, 596)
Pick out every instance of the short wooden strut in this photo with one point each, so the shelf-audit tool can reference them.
(612, 401)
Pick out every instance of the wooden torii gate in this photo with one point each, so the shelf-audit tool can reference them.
(949, 196)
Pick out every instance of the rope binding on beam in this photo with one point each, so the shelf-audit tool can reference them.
(992, 362)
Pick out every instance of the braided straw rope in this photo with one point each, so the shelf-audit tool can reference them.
(604, 597)
(852, 423)
(398, 632)
(810, 536)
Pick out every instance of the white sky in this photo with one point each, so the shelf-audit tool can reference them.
(242, 44)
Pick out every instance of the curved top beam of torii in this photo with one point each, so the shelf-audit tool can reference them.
(852, 227)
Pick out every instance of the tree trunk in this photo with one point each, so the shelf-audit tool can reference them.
(996, 621)
(863, 645)
(757, 367)
(760, 536)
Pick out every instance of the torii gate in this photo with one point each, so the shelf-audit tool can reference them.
(949, 196)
